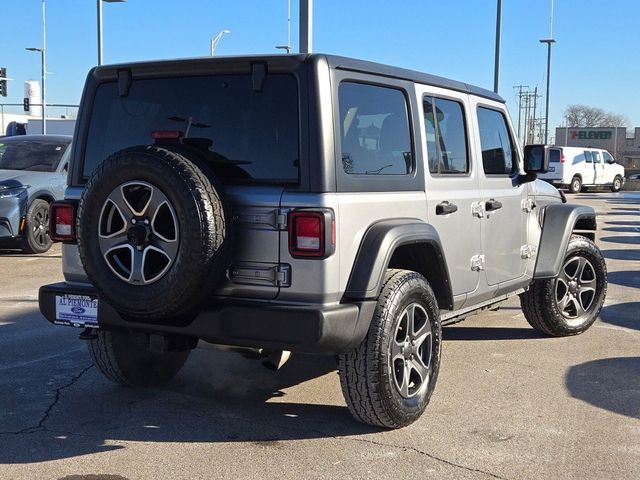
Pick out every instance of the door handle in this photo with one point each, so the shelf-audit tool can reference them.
(445, 208)
(492, 205)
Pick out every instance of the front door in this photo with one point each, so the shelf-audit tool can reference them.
(504, 232)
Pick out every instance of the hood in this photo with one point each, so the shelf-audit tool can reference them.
(545, 189)
(16, 178)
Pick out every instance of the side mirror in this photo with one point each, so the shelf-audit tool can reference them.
(536, 159)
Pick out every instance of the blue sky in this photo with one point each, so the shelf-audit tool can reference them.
(595, 61)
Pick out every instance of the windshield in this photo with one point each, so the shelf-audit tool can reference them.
(247, 134)
(31, 155)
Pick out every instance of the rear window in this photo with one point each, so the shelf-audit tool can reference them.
(247, 135)
(31, 155)
(554, 156)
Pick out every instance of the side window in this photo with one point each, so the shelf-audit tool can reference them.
(498, 154)
(446, 136)
(554, 155)
(607, 157)
(596, 157)
(588, 157)
(374, 130)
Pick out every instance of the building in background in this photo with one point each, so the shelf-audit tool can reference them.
(624, 148)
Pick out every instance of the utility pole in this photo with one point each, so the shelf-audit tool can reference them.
(535, 105)
(520, 94)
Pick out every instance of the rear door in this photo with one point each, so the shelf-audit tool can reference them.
(452, 183)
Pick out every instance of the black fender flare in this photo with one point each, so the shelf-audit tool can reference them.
(560, 220)
(377, 247)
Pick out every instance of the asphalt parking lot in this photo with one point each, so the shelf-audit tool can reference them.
(510, 404)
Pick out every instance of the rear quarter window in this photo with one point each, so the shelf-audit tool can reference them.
(374, 130)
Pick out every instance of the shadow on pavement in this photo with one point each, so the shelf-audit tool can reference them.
(21, 254)
(635, 240)
(633, 255)
(623, 222)
(55, 408)
(612, 384)
(490, 333)
(622, 229)
(628, 278)
(622, 314)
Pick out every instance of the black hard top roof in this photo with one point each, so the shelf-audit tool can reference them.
(364, 66)
(334, 61)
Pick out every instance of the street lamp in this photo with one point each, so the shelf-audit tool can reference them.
(43, 50)
(287, 47)
(549, 41)
(99, 5)
(215, 40)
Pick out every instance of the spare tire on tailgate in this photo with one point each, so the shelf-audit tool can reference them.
(151, 232)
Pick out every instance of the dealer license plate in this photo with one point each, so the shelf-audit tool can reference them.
(77, 310)
(552, 169)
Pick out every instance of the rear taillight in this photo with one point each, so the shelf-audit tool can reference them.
(62, 226)
(561, 158)
(311, 233)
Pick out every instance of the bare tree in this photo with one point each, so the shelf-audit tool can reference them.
(586, 116)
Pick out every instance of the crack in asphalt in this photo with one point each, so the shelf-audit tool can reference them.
(420, 452)
(363, 440)
(40, 426)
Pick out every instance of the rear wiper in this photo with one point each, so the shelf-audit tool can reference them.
(377, 171)
(190, 123)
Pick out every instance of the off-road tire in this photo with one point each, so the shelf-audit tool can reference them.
(576, 185)
(365, 372)
(616, 186)
(203, 253)
(36, 240)
(124, 358)
(539, 303)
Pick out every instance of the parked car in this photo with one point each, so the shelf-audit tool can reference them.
(33, 170)
(308, 203)
(578, 169)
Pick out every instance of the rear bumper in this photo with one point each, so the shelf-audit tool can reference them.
(324, 329)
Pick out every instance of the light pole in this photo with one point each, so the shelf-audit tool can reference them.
(99, 6)
(216, 40)
(306, 26)
(496, 68)
(43, 52)
(43, 89)
(549, 41)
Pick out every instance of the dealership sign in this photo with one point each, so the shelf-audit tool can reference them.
(591, 135)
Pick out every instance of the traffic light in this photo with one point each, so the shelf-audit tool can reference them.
(25, 104)
(3, 82)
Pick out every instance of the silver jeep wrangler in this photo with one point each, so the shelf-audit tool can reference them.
(307, 203)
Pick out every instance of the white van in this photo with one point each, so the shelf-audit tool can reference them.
(577, 168)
